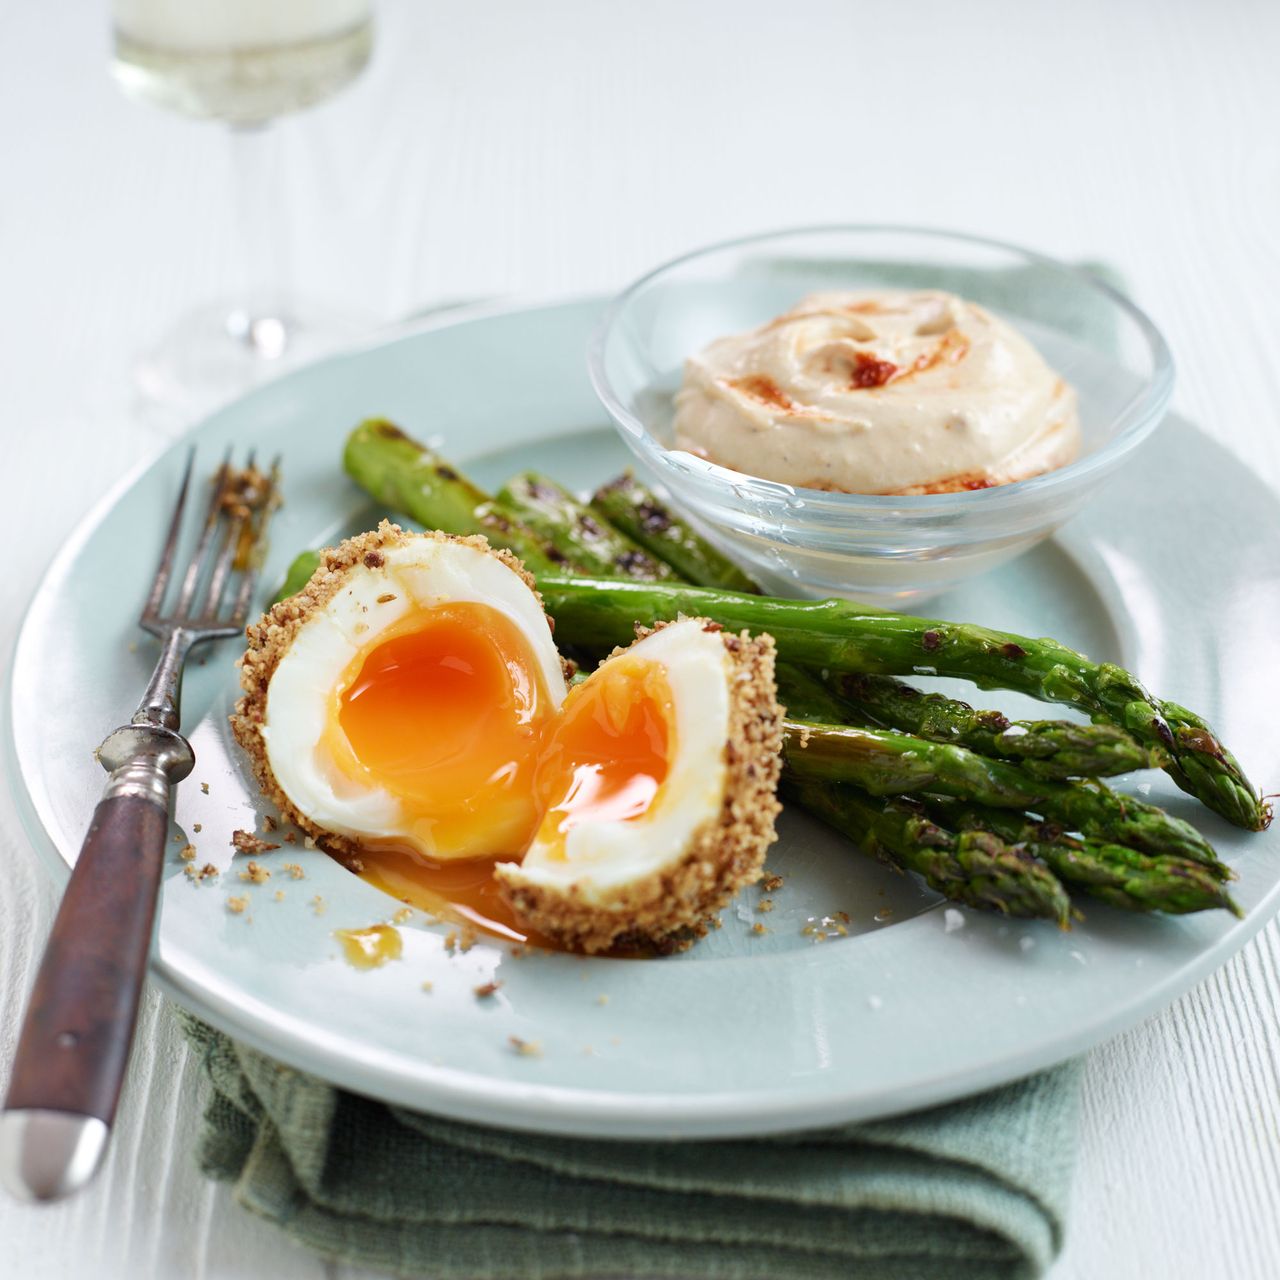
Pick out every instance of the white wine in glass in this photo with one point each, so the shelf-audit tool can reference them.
(242, 62)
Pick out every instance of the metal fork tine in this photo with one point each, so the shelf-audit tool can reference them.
(200, 555)
(230, 540)
(261, 518)
(228, 556)
(160, 583)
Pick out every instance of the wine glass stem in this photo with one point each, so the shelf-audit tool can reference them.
(262, 321)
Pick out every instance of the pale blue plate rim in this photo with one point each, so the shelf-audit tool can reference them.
(606, 1113)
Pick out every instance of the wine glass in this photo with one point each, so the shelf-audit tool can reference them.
(243, 62)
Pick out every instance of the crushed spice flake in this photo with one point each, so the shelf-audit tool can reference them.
(197, 827)
(487, 989)
(247, 842)
(255, 873)
(237, 904)
(204, 787)
(526, 1048)
(386, 597)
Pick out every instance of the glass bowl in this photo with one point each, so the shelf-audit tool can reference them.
(867, 546)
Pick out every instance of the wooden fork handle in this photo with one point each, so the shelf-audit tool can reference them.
(79, 1025)
(75, 1039)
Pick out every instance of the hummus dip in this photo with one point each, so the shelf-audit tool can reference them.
(901, 392)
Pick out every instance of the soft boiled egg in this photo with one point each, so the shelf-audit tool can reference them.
(399, 698)
(411, 700)
(658, 784)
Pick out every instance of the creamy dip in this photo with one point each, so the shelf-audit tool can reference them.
(882, 392)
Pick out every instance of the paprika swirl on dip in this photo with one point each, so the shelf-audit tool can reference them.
(892, 392)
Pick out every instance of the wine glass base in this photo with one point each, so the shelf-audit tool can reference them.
(222, 350)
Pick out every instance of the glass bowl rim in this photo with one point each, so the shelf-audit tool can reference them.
(1143, 416)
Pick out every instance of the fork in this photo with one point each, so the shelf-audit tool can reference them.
(74, 1045)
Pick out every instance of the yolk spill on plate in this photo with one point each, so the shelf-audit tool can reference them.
(372, 947)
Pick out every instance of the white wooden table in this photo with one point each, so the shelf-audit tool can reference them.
(561, 147)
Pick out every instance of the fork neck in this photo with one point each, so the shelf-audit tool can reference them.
(161, 704)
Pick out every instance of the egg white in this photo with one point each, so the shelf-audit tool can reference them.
(420, 571)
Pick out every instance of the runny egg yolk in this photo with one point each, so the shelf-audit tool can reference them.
(445, 712)
(605, 757)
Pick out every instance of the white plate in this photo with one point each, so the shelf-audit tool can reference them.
(1174, 572)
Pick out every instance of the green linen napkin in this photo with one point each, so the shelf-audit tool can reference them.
(977, 1189)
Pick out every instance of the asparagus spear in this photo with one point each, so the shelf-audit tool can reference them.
(304, 564)
(1076, 748)
(639, 513)
(408, 477)
(1156, 826)
(1111, 872)
(974, 868)
(842, 636)
(885, 763)
(1057, 749)
(982, 873)
(1148, 883)
(1047, 748)
(592, 544)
